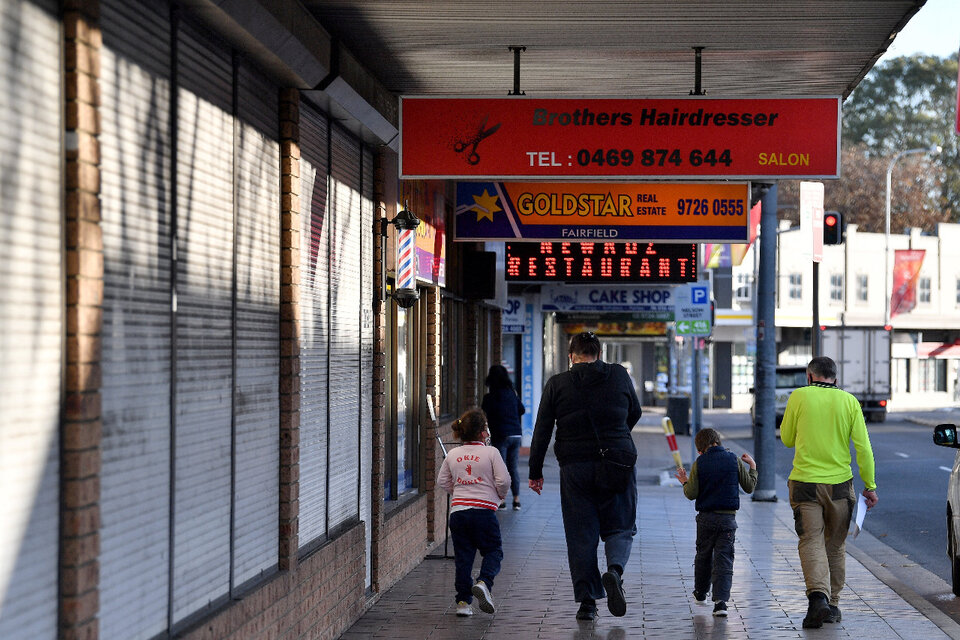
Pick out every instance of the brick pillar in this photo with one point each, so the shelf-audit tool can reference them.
(82, 424)
(436, 521)
(289, 106)
(379, 383)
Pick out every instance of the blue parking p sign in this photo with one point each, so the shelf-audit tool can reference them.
(699, 295)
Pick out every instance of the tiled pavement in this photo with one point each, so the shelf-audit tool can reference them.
(534, 596)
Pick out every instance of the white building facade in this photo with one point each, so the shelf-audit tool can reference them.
(852, 284)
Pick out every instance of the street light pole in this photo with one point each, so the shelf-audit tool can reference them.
(934, 149)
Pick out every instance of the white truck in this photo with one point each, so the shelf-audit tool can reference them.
(862, 355)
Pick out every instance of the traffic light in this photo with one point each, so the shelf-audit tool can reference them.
(832, 228)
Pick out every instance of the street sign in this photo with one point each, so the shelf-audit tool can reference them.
(811, 220)
(513, 315)
(692, 309)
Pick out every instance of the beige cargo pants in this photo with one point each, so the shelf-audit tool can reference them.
(821, 515)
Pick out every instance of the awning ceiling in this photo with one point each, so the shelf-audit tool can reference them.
(636, 48)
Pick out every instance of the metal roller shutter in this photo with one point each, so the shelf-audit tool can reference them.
(366, 350)
(257, 407)
(345, 290)
(31, 316)
(314, 324)
(135, 205)
(204, 349)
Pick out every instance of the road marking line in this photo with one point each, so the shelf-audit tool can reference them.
(902, 455)
(946, 468)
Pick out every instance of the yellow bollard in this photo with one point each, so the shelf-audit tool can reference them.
(672, 440)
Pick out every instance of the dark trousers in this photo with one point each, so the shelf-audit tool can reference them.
(589, 515)
(475, 530)
(716, 533)
(510, 452)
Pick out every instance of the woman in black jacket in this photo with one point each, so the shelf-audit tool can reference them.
(503, 408)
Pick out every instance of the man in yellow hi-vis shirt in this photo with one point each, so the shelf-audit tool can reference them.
(820, 421)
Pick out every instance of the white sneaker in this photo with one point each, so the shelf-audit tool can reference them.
(464, 609)
(484, 599)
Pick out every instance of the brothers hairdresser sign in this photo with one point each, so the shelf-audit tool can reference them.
(525, 137)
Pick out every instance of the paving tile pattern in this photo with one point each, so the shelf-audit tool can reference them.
(534, 596)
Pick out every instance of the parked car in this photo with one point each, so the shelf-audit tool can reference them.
(945, 435)
(788, 378)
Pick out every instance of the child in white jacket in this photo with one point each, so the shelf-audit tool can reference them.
(475, 475)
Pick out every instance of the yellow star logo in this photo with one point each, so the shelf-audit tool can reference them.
(485, 206)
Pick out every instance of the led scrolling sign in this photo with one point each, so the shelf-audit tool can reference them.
(594, 262)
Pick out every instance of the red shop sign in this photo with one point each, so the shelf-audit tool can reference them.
(617, 138)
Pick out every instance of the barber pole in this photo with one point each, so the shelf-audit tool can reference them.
(405, 293)
(672, 441)
(405, 257)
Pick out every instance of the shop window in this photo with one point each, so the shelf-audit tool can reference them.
(900, 372)
(741, 370)
(932, 375)
(403, 433)
(451, 343)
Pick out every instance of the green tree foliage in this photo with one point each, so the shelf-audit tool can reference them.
(860, 193)
(904, 103)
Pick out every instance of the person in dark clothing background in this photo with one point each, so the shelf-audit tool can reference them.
(594, 405)
(504, 408)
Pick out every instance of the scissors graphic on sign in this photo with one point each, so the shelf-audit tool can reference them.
(474, 157)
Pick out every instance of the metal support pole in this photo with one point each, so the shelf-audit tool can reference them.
(765, 430)
(815, 329)
(697, 91)
(516, 70)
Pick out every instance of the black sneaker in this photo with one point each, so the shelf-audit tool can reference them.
(817, 611)
(616, 600)
(720, 609)
(700, 597)
(834, 616)
(588, 610)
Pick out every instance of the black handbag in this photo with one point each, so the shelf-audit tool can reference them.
(616, 465)
(615, 469)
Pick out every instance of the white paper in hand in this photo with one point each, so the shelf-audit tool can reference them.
(859, 516)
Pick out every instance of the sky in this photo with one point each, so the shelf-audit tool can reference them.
(935, 30)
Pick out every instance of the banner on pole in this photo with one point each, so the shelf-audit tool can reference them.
(906, 271)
